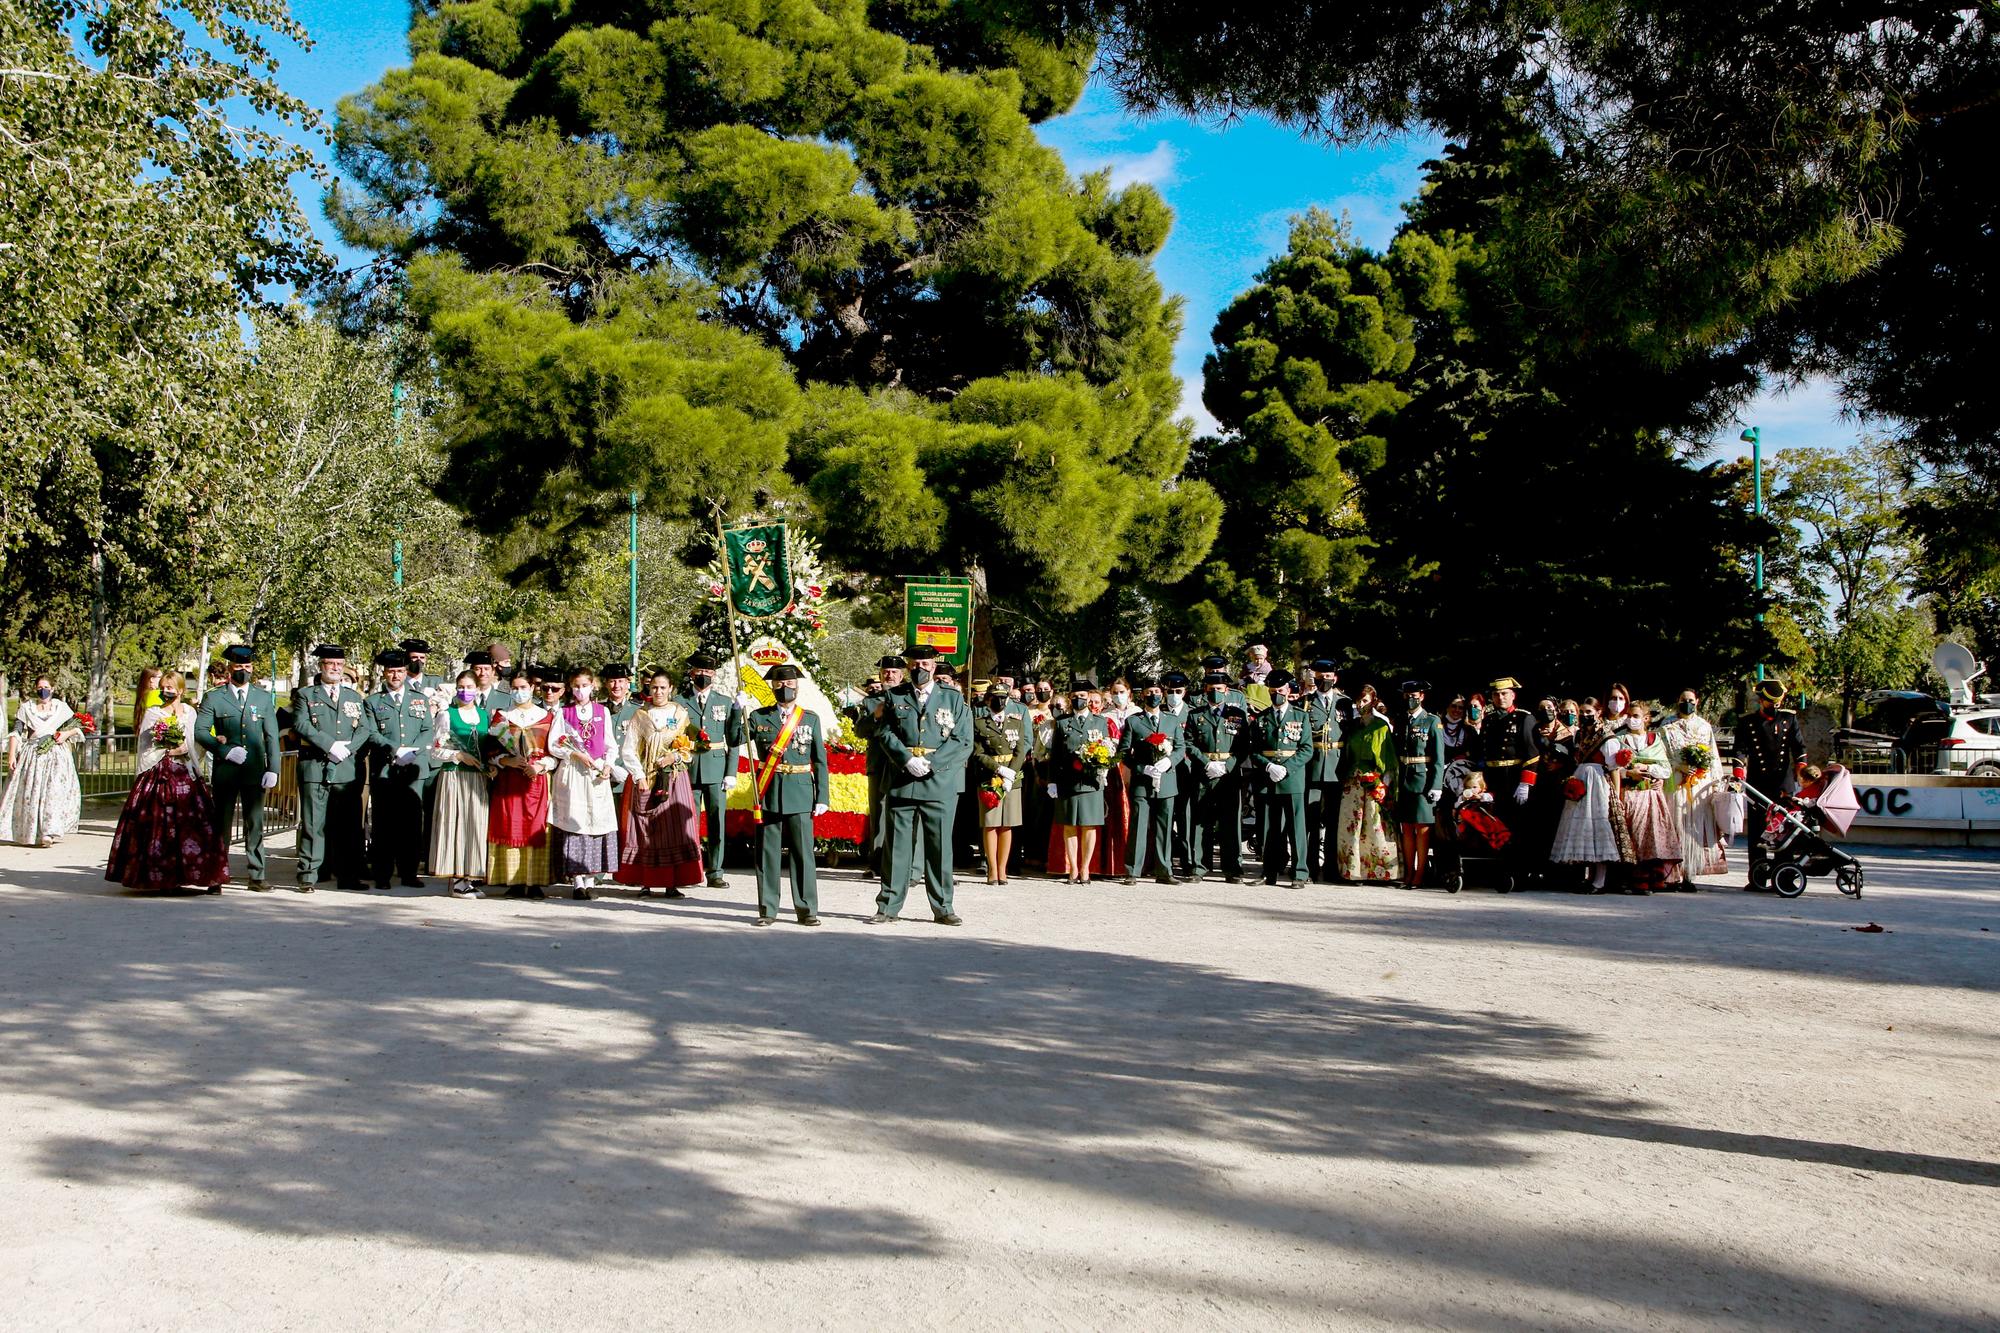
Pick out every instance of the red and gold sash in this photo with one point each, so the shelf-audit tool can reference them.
(772, 758)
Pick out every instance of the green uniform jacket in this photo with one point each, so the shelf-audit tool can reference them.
(1422, 737)
(621, 718)
(220, 725)
(1135, 751)
(412, 723)
(1213, 731)
(790, 793)
(1329, 720)
(1066, 769)
(1283, 740)
(941, 726)
(321, 720)
(722, 719)
(1006, 743)
(429, 684)
(867, 727)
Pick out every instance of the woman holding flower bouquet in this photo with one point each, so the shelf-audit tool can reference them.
(582, 808)
(1002, 740)
(659, 844)
(517, 825)
(1691, 789)
(1082, 752)
(166, 835)
(1367, 847)
(1640, 766)
(463, 806)
(43, 802)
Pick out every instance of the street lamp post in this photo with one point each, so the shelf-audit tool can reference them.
(632, 623)
(1753, 437)
(396, 548)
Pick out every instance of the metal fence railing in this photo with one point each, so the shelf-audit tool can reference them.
(106, 767)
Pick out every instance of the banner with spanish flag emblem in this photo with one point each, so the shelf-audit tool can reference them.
(759, 561)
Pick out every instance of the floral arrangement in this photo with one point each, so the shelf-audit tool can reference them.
(848, 741)
(1372, 787)
(681, 748)
(1696, 760)
(700, 743)
(993, 793)
(1097, 754)
(85, 723)
(168, 732)
(1574, 789)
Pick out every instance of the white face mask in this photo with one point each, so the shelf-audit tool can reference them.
(1176, 697)
(1120, 697)
(524, 695)
(582, 693)
(1615, 706)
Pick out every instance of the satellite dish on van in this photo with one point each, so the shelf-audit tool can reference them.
(1959, 668)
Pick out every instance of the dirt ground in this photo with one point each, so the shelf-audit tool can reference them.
(1201, 1106)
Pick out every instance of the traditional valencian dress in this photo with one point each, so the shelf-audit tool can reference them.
(166, 836)
(1693, 794)
(1587, 833)
(1640, 761)
(1366, 845)
(517, 825)
(463, 813)
(659, 846)
(43, 802)
(583, 808)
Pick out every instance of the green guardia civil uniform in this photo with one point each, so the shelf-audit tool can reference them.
(1329, 713)
(621, 721)
(1149, 845)
(1420, 744)
(398, 720)
(330, 834)
(231, 716)
(1218, 734)
(868, 722)
(785, 837)
(712, 770)
(1079, 785)
(934, 725)
(1283, 738)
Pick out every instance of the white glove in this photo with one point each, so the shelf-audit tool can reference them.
(819, 809)
(1158, 768)
(745, 702)
(1432, 796)
(236, 754)
(1214, 768)
(1275, 772)
(546, 764)
(338, 752)
(407, 755)
(1052, 791)
(1006, 774)
(269, 780)
(918, 767)
(1521, 790)
(618, 773)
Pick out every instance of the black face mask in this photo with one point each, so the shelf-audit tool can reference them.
(240, 676)
(1686, 707)
(786, 693)
(1217, 696)
(45, 693)
(1154, 701)
(1546, 714)
(1080, 704)
(702, 680)
(997, 702)
(919, 677)
(168, 696)
(1043, 694)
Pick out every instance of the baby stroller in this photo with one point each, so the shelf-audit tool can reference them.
(1790, 834)
(1474, 847)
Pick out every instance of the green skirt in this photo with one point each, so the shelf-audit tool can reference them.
(1081, 809)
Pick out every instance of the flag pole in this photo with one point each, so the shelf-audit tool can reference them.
(735, 653)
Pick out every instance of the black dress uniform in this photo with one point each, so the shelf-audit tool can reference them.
(399, 764)
(1770, 750)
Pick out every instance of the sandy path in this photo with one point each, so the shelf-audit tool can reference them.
(1201, 1106)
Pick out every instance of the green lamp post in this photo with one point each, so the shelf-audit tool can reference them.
(1753, 437)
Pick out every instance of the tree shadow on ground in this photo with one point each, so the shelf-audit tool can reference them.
(514, 1084)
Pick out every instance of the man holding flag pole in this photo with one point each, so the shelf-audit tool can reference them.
(788, 752)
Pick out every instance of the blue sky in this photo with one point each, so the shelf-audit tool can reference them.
(1232, 189)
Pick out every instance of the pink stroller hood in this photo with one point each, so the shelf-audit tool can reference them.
(1837, 802)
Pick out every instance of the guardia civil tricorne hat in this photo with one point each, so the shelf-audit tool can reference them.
(891, 660)
(328, 651)
(392, 657)
(703, 662)
(1416, 687)
(1504, 683)
(782, 672)
(1173, 678)
(415, 646)
(1216, 678)
(921, 652)
(238, 653)
(1278, 677)
(616, 671)
(1771, 688)
(479, 657)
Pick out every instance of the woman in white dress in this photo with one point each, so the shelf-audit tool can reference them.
(1586, 833)
(43, 802)
(1692, 790)
(582, 808)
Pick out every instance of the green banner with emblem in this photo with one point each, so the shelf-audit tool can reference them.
(758, 558)
(938, 614)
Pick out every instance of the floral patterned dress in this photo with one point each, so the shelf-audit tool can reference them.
(659, 844)
(517, 826)
(43, 802)
(166, 836)
(1366, 846)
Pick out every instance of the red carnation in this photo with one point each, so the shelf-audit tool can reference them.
(1158, 740)
(989, 800)
(1574, 789)
(1624, 758)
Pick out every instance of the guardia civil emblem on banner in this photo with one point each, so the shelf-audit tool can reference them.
(759, 561)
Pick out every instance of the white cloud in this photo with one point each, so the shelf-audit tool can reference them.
(1792, 417)
(1158, 166)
